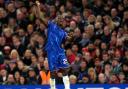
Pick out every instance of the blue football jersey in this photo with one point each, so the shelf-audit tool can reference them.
(55, 53)
(55, 37)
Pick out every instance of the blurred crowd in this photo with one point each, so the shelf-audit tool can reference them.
(97, 52)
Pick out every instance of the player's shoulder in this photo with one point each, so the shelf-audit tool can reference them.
(51, 22)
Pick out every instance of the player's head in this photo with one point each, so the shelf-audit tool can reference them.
(60, 20)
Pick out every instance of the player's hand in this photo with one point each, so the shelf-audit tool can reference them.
(37, 3)
(70, 36)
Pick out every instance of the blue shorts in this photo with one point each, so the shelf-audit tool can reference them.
(57, 61)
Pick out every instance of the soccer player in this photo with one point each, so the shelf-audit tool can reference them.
(55, 53)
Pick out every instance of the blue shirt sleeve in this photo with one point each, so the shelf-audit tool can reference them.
(65, 35)
(51, 26)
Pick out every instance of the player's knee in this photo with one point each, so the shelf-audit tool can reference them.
(53, 74)
(65, 71)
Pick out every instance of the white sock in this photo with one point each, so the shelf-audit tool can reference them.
(66, 82)
(52, 83)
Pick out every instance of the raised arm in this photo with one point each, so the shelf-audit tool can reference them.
(39, 15)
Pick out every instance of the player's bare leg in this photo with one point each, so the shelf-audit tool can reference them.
(66, 78)
(52, 80)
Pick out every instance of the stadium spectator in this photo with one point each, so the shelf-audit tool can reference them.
(32, 78)
(10, 80)
(3, 76)
(101, 78)
(22, 81)
(73, 79)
